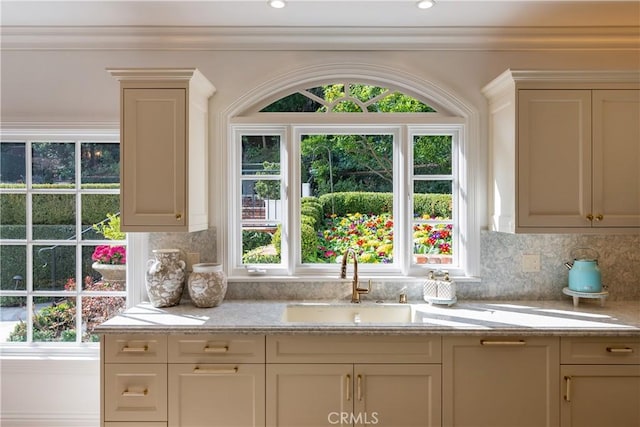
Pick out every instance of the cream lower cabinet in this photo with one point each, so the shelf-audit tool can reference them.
(500, 382)
(601, 382)
(400, 393)
(216, 395)
(183, 380)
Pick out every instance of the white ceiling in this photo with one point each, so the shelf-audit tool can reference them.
(322, 13)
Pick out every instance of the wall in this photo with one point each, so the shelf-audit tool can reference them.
(72, 87)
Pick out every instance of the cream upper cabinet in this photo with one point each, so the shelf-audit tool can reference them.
(500, 382)
(565, 151)
(164, 155)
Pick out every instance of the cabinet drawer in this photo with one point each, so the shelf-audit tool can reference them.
(132, 348)
(216, 349)
(350, 349)
(135, 392)
(138, 424)
(600, 350)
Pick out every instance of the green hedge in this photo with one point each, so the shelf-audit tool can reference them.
(55, 209)
(434, 205)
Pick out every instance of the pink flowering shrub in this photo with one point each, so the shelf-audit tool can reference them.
(106, 254)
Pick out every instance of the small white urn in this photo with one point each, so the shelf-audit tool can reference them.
(207, 285)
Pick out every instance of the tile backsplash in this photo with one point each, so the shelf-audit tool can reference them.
(501, 272)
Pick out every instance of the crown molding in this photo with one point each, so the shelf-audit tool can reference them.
(321, 38)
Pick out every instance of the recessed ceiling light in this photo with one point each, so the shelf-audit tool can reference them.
(425, 4)
(277, 4)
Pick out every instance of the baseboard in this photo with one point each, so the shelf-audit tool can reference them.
(49, 420)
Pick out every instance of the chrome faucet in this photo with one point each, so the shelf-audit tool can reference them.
(356, 291)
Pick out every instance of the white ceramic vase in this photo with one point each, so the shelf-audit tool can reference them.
(165, 277)
(207, 285)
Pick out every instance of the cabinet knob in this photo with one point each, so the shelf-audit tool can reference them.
(178, 216)
(590, 217)
(599, 217)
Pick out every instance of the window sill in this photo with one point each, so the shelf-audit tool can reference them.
(49, 351)
(326, 279)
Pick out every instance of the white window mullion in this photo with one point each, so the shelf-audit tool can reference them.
(290, 161)
(402, 249)
(29, 246)
(79, 278)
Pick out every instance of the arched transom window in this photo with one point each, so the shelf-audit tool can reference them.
(347, 165)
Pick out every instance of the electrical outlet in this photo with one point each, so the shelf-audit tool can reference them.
(530, 263)
(192, 258)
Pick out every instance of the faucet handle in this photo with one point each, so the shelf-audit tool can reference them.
(364, 290)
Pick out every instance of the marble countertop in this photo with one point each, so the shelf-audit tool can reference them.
(616, 318)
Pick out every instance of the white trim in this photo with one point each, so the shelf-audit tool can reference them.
(76, 133)
(30, 419)
(49, 351)
(305, 77)
(204, 38)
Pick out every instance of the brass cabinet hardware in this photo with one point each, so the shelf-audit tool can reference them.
(619, 350)
(599, 217)
(128, 393)
(223, 349)
(127, 349)
(567, 394)
(359, 387)
(348, 384)
(590, 217)
(198, 370)
(178, 216)
(503, 343)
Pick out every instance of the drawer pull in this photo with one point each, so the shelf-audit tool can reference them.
(567, 394)
(348, 384)
(198, 370)
(224, 349)
(127, 349)
(619, 350)
(359, 381)
(503, 343)
(128, 393)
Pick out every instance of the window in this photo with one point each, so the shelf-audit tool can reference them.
(346, 165)
(59, 205)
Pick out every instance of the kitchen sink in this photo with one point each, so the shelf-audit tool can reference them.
(351, 313)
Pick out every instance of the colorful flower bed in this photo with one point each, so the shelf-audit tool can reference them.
(432, 239)
(372, 237)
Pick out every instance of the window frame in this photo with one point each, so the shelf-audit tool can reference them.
(404, 127)
(48, 133)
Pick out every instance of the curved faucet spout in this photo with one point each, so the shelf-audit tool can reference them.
(356, 291)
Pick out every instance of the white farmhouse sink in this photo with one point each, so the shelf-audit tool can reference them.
(351, 313)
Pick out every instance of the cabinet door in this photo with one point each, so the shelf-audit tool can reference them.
(601, 395)
(500, 382)
(554, 158)
(308, 395)
(616, 156)
(397, 395)
(135, 392)
(216, 395)
(153, 158)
